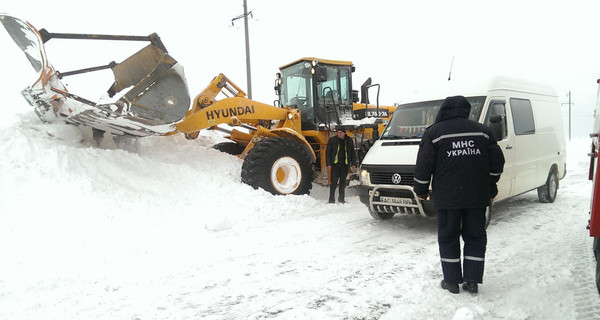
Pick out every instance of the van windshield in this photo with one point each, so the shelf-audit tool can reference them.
(410, 120)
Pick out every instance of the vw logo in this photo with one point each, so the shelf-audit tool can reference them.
(396, 178)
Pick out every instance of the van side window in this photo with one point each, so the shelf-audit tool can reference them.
(497, 108)
(522, 115)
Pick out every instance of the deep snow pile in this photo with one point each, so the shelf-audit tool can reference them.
(162, 228)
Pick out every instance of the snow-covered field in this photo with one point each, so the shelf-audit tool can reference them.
(162, 228)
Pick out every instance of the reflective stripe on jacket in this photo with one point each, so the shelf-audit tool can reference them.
(333, 149)
(464, 160)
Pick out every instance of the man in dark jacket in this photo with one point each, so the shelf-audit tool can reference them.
(465, 162)
(338, 157)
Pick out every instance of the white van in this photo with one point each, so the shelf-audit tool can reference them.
(525, 118)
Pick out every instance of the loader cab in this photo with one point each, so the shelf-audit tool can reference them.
(320, 89)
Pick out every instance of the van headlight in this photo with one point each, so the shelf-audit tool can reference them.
(364, 177)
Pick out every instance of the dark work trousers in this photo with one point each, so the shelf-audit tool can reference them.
(470, 224)
(339, 172)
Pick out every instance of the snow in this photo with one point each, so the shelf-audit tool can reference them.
(162, 228)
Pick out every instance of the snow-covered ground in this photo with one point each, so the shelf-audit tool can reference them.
(162, 228)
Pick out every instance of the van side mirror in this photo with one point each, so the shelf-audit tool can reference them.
(498, 127)
(497, 118)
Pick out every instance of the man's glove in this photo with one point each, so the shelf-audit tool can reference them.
(493, 190)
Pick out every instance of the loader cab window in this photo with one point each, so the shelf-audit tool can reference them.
(336, 89)
(296, 90)
(328, 90)
(345, 87)
(334, 95)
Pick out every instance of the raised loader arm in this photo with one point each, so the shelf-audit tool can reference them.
(234, 110)
(150, 97)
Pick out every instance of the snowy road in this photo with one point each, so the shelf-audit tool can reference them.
(163, 229)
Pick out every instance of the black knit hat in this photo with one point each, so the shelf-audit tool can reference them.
(340, 128)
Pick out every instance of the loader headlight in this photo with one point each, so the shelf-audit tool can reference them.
(290, 116)
(365, 178)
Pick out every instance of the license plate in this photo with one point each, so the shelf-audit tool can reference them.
(395, 200)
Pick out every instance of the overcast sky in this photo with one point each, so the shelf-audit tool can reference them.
(403, 45)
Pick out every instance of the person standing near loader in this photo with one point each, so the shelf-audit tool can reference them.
(465, 162)
(339, 156)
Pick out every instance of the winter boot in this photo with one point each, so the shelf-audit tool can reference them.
(470, 286)
(452, 287)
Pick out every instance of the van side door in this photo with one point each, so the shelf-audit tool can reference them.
(526, 157)
(497, 107)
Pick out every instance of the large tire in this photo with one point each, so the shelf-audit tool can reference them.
(279, 166)
(547, 192)
(381, 215)
(229, 147)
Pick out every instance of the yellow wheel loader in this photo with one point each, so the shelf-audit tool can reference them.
(282, 145)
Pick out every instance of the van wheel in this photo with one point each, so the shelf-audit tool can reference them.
(547, 192)
(381, 215)
(279, 166)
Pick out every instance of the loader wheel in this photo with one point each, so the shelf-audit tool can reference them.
(229, 147)
(279, 166)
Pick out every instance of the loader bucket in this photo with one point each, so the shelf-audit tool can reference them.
(28, 42)
(148, 97)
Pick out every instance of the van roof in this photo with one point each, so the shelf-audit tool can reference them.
(478, 87)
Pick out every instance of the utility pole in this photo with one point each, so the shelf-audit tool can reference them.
(248, 73)
(569, 103)
(569, 115)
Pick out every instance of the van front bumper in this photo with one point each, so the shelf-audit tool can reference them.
(398, 199)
